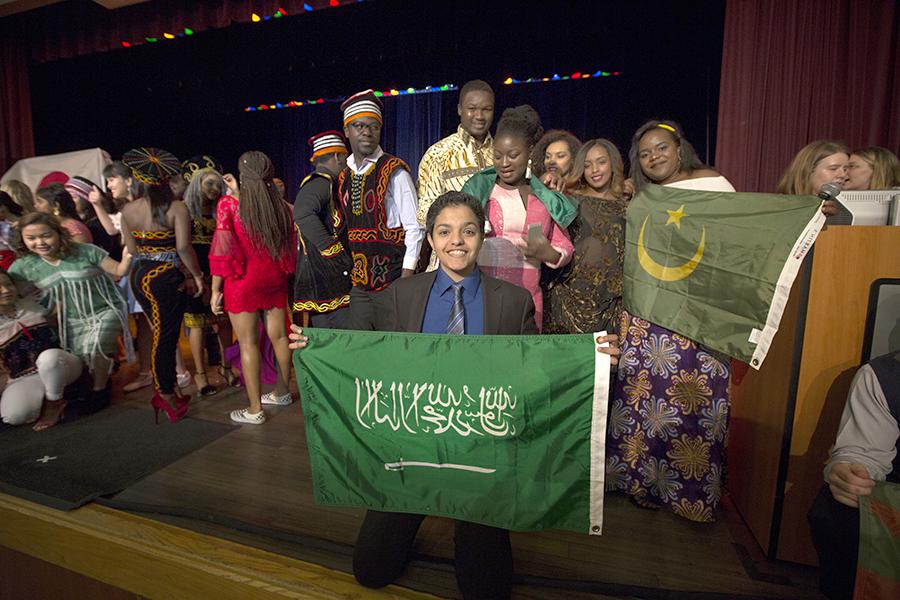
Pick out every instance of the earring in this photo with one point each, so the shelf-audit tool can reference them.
(56, 211)
(528, 170)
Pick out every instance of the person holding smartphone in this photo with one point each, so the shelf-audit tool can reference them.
(526, 221)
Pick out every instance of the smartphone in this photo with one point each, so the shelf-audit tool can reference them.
(535, 232)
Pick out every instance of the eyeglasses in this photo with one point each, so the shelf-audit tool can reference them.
(371, 127)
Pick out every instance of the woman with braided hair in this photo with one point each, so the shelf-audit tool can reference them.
(157, 232)
(527, 221)
(254, 250)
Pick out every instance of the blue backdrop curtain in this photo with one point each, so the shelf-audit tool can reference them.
(414, 123)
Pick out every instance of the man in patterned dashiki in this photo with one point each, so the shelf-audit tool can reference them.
(447, 165)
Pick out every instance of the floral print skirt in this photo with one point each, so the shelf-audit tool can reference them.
(668, 421)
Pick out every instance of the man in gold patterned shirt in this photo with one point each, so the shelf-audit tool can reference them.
(449, 163)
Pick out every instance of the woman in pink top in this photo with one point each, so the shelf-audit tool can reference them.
(527, 221)
(54, 199)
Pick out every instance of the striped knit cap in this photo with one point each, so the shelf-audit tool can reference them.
(78, 188)
(362, 104)
(327, 142)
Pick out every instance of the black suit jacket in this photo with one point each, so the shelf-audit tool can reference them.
(508, 308)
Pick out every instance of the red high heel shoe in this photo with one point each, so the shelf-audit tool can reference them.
(182, 401)
(174, 414)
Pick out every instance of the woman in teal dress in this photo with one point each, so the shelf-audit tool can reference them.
(77, 281)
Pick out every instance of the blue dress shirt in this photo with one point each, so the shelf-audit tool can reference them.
(440, 303)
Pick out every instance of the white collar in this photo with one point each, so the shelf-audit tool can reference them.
(372, 159)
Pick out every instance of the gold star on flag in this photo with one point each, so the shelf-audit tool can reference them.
(675, 216)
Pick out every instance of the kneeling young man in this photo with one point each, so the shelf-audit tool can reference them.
(456, 298)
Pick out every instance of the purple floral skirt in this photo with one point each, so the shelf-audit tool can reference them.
(668, 421)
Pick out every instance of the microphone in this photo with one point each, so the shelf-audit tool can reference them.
(841, 216)
(829, 191)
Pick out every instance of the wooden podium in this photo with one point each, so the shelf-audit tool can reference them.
(785, 416)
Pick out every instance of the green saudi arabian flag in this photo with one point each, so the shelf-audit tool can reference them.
(717, 267)
(502, 430)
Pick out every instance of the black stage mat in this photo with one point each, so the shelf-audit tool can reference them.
(71, 464)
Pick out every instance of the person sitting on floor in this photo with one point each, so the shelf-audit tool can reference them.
(38, 370)
(867, 450)
(74, 279)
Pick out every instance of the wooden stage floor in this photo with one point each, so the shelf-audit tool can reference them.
(253, 487)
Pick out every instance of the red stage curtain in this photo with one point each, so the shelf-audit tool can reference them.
(16, 139)
(794, 71)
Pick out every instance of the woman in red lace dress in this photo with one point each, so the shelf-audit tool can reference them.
(253, 253)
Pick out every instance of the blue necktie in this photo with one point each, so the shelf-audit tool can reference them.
(456, 323)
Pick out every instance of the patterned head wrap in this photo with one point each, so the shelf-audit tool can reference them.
(362, 104)
(195, 163)
(152, 165)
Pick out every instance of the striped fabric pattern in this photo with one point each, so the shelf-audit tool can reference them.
(362, 104)
(326, 142)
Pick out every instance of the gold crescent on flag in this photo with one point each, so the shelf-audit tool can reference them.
(662, 272)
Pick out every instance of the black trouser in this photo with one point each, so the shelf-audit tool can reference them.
(336, 319)
(364, 311)
(483, 554)
(835, 534)
(155, 285)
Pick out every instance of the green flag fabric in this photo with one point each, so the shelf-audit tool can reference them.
(717, 267)
(878, 564)
(502, 430)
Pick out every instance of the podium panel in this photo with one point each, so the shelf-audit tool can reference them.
(785, 416)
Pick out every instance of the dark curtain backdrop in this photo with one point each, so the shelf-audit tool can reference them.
(802, 70)
(187, 95)
(16, 139)
(82, 27)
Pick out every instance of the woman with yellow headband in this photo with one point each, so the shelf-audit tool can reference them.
(669, 414)
(660, 154)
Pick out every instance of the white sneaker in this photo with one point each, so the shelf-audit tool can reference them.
(183, 379)
(271, 398)
(245, 416)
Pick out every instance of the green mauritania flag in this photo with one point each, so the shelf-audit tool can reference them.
(503, 430)
(878, 565)
(717, 267)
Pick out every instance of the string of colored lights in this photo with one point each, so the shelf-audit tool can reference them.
(255, 18)
(431, 89)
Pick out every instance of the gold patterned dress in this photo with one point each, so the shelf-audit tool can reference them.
(587, 297)
(198, 314)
